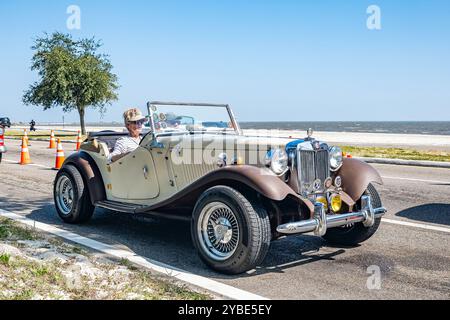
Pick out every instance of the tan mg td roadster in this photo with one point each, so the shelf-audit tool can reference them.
(239, 192)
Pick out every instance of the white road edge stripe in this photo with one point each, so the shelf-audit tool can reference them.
(416, 225)
(417, 180)
(30, 164)
(196, 280)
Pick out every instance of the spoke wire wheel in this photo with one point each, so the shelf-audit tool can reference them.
(218, 231)
(64, 194)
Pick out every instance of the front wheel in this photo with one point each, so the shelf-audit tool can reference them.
(354, 234)
(231, 233)
(72, 200)
(1, 157)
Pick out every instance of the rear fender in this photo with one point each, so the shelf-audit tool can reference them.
(90, 173)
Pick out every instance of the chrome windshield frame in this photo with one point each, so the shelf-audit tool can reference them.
(235, 124)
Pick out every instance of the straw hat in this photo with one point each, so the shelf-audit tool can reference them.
(132, 115)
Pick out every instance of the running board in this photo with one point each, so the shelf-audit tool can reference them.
(137, 209)
(119, 206)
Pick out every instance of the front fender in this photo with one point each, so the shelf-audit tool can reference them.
(356, 176)
(261, 180)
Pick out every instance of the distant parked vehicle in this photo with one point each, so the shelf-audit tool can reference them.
(4, 122)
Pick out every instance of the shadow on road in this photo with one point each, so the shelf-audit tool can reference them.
(296, 251)
(438, 213)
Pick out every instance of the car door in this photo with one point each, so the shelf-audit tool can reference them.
(133, 177)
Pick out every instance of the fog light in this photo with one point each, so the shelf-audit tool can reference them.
(336, 203)
(323, 201)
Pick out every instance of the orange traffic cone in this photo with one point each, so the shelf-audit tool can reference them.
(24, 154)
(52, 141)
(59, 156)
(78, 141)
(25, 135)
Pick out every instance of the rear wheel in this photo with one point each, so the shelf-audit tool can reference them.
(72, 200)
(1, 157)
(231, 233)
(356, 233)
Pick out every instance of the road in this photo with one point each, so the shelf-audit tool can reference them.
(414, 261)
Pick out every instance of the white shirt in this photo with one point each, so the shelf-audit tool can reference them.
(124, 145)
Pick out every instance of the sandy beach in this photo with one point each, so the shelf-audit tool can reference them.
(413, 141)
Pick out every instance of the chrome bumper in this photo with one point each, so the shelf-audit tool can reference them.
(321, 221)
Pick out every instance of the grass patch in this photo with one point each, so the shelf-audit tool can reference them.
(41, 134)
(78, 250)
(168, 289)
(4, 258)
(127, 263)
(24, 294)
(397, 153)
(10, 230)
(40, 270)
(27, 278)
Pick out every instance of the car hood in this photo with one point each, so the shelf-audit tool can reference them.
(198, 141)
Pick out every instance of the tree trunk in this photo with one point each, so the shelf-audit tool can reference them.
(81, 112)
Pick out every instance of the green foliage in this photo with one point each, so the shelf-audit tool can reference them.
(4, 258)
(397, 153)
(40, 270)
(10, 230)
(72, 75)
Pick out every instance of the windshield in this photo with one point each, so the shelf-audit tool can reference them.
(191, 118)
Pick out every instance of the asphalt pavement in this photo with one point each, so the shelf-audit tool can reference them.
(414, 259)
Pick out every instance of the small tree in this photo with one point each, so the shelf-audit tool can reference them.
(72, 75)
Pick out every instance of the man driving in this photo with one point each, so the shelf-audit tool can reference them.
(134, 121)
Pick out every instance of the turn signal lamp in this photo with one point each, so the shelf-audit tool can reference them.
(336, 203)
(323, 201)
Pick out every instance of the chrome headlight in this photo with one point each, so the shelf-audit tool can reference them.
(278, 160)
(336, 158)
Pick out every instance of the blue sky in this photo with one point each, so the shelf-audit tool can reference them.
(271, 60)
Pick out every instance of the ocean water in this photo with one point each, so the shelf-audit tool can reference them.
(404, 127)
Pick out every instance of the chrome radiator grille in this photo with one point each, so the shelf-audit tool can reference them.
(312, 165)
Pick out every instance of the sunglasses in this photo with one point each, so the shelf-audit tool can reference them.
(137, 122)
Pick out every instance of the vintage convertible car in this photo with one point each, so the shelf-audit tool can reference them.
(239, 192)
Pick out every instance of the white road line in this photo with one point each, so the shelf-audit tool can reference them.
(196, 280)
(417, 180)
(31, 164)
(416, 225)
